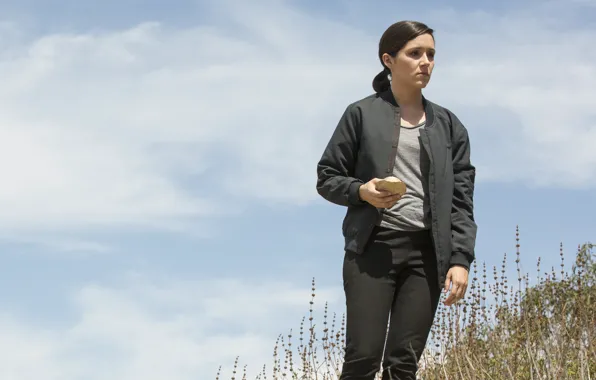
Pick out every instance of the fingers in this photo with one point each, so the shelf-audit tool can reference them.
(387, 202)
(462, 291)
(382, 194)
(380, 198)
(375, 197)
(447, 282)
(384, 199)
(463, 285)
(451, 299)
(372, 190)
(458, 291)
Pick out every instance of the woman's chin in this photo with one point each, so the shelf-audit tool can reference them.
(421, 82)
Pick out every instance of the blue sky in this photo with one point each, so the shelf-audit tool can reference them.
(159, 165)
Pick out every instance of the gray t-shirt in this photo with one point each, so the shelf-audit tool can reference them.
(412, 211)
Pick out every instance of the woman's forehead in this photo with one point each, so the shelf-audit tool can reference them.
(425, 41)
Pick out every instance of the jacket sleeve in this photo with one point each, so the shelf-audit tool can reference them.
(335, 170)
(463, 225)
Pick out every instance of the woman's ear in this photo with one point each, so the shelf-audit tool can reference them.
(387, 60)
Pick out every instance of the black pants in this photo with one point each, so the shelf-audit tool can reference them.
(395, 280)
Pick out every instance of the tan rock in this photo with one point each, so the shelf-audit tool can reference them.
(392, 184)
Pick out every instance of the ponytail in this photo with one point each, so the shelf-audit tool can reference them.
(381, 82)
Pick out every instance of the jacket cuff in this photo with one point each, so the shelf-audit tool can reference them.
(354, 194)
(460, 258)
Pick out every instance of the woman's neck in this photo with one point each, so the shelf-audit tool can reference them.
(407, 97)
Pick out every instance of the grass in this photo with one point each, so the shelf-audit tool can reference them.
(501, 330)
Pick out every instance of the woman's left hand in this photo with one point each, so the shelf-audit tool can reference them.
(457, 280)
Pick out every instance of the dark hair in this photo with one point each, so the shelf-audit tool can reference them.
(392, 41)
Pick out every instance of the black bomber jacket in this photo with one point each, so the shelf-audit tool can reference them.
(364, 145)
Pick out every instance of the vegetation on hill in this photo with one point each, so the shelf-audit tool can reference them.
(501, 330)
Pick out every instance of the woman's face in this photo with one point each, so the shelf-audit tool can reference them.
(414, 63)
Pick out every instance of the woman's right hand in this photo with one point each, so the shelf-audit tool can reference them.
(380, 199)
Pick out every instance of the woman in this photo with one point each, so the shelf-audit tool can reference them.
(399, 250)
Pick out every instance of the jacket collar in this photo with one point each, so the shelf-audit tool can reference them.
(428, 108)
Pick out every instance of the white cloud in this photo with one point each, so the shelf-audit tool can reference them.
(158, 330)
(110, 128)
(76, 148)
(69, 247)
